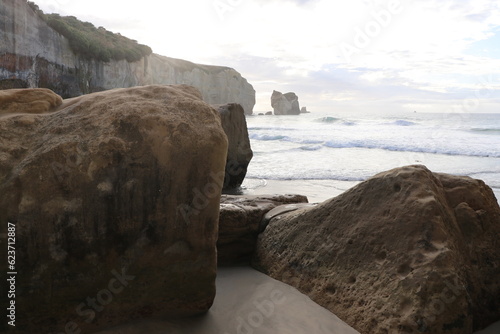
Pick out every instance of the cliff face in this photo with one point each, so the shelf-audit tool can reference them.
(32, 54)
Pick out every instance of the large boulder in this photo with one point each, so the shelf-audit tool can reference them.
(285, 104)
(115, 207)
(241, 220)
(33, 101)
(407, 251)
(239, 151)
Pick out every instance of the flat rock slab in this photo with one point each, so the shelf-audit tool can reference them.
(241, 220)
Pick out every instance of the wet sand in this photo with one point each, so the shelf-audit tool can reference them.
(316, 190)
(249, 302)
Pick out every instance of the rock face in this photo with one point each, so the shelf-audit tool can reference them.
(33, 55)
(407, 251)
(115, 207)
(241, 220)
(239, 151)
(285, 104)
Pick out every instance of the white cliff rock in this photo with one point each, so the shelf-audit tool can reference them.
(35, 55)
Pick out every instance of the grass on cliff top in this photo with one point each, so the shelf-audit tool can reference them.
(93, 43)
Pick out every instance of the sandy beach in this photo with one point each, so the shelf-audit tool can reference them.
(249, 302)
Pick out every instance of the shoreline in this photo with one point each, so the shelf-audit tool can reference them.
(317, 191)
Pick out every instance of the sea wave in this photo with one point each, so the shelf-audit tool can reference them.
(337, 121)
(269, 137)
(423, 143)
(489, 131)
(330, 175)
(315, 145)
(415, 149)
(398, 134)
(266, 137)
(318, 176)
(402, 122)
(311, 147)
(327, 119)
(270, 128)
(308, 141)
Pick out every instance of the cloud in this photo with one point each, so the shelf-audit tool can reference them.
(401, 51)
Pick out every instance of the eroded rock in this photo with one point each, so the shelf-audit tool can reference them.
(103, 192)
(239, 151)
(407, 251)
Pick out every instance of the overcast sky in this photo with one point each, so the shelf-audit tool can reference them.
(356, 55)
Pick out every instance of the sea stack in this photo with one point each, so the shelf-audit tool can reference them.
(285, 104)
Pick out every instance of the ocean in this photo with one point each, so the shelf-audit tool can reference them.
(321, 155)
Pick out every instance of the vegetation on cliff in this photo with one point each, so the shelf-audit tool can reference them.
(91, 42)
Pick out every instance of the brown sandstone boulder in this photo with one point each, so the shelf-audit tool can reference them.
(241, 220)
(407, 251)
(116, 206)
(239, 151)
(35, 101)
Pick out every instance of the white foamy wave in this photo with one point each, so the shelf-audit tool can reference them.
(304, 176)
(472, 152)
(311, 147)
(424, 145)
(327, 119)
(487, 131)
(307, 141)
(268, 137)
(401, 122)
(354, 147)
(270, 128)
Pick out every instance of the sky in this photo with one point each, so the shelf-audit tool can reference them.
(349, 56)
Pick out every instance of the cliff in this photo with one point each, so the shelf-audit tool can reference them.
(32, 54)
